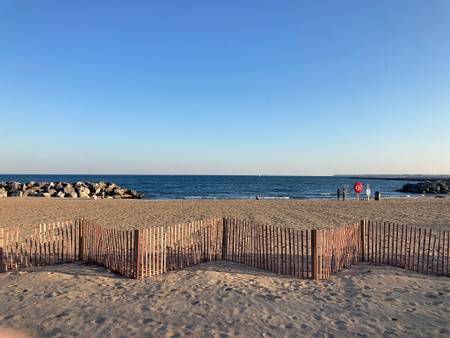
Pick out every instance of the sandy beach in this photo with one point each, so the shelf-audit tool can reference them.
(174, 169)
(224, 299)
(306, 214)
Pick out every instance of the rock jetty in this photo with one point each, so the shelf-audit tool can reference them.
(427, 187)
(93, 190)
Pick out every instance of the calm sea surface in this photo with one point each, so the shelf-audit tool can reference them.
(226, 187)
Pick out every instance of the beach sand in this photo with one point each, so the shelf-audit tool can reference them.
(223, 299)
(306, 214)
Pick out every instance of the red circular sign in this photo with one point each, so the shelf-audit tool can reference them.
(358, 187)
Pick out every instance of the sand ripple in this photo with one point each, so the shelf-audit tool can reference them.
(225, 299)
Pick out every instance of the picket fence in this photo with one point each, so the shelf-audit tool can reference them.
(315, 254)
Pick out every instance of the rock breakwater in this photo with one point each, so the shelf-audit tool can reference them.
(93, 190)
(427, 187)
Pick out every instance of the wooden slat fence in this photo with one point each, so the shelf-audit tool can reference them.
(316, 254)
(279, 250)
(413, 248)
(337, 249)
(175, 247)
(112, 248)
(50, 244)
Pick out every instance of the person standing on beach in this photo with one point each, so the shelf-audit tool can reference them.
(344, 192)
(368, 192)
(339, 194)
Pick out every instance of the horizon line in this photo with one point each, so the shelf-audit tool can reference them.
(183, 174)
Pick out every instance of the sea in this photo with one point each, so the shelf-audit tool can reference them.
(229, 187)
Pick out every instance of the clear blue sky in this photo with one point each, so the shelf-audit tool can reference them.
(230, 87)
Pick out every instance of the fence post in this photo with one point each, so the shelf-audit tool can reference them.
(81, 239)
(137, 254)
(363, 225)
(224, 238)
(2, 265)
(315, 255)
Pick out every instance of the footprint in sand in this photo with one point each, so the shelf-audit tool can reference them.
(341, 325)
(51, 295)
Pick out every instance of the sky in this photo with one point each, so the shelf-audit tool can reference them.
(225, 87)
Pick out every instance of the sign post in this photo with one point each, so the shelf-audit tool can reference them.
(358, 187)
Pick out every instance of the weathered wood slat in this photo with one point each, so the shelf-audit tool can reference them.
(151, 251)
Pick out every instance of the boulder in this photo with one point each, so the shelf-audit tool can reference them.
(109, 189)
(3, 192)
(59, 194)
(136, 195)
(29, 185)
(15, 193)
(81, 184)
(120, 192)
(13, 186)
(28, 192)
(82, 190)
(68, 189)
(51, 192)
(83, 193)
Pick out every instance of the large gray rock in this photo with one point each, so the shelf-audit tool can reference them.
(51, 191)
(3, 192)
(15, 193)
(110, 188)
(13, 186)
(59, 194)
(29, 185)
(136, 195)
(71, 195)
(28, 192)
(120, 192)
(81, 184)
(83, 192)
(68, 189)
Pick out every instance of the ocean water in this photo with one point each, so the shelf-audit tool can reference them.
(227, 187)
